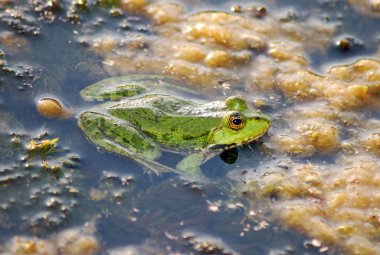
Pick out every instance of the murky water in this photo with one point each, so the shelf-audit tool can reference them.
(50, 53)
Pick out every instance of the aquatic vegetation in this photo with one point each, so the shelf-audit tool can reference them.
(19, 22)
(197, 243)
(370, 7)
(332, 203)
(42, 148)
(112, 187)
(41, 195)
(13, 42)
(207, 244)
(73, 241)
(110, 3)
(210, 52)
(14, 74)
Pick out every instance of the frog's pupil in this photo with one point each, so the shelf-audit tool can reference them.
(236, 122)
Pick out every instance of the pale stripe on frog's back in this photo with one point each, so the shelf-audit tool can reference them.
(173, 106)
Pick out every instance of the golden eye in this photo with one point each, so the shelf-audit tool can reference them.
(236, 121)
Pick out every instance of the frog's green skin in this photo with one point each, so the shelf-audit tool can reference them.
(156, 118)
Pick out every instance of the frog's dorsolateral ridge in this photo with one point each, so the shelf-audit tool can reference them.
(145, 115)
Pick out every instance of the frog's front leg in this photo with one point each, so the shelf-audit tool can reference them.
(190, 165)
(118, 136)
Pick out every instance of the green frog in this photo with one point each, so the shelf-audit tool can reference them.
(147, 114)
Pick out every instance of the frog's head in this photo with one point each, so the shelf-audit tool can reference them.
(240, 124)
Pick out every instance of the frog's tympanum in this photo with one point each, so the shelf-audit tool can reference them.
(145, 115)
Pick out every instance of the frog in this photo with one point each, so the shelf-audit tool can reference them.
(142, 116)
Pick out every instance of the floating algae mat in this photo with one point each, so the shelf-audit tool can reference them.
(310, 185)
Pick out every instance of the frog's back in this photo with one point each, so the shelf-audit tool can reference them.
(163, 103)
(171, 121)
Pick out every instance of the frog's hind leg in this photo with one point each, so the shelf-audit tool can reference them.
(116, 88)
(116, 136)
(113, 88)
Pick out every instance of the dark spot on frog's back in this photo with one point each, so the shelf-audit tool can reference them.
(101, 122)
(136, 115)
(187, 137)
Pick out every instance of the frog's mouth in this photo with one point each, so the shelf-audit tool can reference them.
(223, 147)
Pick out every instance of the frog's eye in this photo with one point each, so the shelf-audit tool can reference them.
(236, 121)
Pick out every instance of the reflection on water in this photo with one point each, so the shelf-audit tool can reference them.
(256, 195)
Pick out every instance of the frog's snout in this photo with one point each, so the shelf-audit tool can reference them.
(263, 118)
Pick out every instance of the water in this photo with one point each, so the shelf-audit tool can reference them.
(149, 210)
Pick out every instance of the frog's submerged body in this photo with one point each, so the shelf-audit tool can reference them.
(155, 118)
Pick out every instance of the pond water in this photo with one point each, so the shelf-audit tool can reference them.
(309, 186)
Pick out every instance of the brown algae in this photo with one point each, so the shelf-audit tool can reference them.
(336, 204)
(73, 241)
